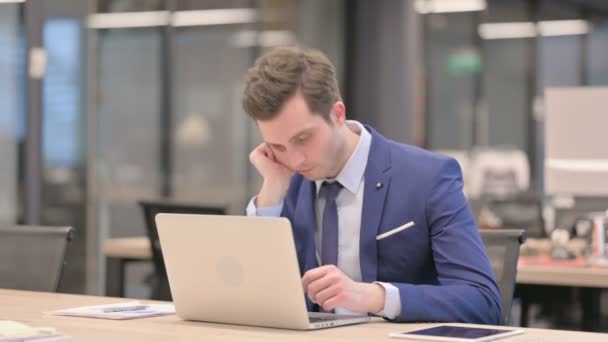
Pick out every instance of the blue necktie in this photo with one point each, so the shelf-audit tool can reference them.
(329, 239)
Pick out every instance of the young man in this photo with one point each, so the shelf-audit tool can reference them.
(380, 227)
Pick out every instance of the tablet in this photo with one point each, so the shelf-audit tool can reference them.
(457, 333)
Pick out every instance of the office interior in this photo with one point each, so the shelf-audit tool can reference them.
(108, 103)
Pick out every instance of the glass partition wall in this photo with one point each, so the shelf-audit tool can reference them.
(488, 63)
(166, 102)
(108, 102)
(12, 109)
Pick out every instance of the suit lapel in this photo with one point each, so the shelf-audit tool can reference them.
(377, 182)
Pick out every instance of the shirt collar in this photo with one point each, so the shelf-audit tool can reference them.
(352, 173)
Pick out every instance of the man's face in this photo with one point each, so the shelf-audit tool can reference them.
(303, 141)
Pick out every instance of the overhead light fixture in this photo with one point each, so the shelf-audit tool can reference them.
(214, 17)
(449, 6)
(507, 30)
(564, 27)
(270, 38)
(128, 19)
(178, 18)
(584, 165)
(547, 28)
(11, 1)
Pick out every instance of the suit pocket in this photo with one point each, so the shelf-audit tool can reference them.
(395, 231)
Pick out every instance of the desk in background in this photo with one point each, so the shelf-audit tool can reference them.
(539, 278)
(119, 252)
(27, 307)
(538, 275)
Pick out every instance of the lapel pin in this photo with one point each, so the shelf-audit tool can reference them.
(379, 185)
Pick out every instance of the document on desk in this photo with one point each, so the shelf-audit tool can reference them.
(125, 310)
(11, 331)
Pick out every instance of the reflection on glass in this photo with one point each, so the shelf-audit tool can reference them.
(61, 94)
(62, 140)
(12, 112)
(129, 118)
(562, 71)
(598, 50)
(454, 65)
(210, 151)
(505, 86)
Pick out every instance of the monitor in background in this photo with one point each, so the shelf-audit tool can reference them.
(576, 152)
(576, 141)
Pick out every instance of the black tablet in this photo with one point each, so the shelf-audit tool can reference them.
(457, 333)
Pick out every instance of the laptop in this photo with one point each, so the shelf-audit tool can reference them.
(238, 270)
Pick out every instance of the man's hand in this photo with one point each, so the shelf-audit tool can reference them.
(329, 287)
(276, 176)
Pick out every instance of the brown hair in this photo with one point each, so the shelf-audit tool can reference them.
(279, 74)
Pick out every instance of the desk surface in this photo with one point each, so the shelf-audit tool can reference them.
(562, 274)
(27, 307)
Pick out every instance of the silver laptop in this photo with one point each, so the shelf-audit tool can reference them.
(237, 270)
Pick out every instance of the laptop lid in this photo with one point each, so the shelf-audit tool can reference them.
(233, 269)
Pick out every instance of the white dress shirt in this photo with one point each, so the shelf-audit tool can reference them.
(350, 208)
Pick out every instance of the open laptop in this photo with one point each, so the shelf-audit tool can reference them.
(238, 270)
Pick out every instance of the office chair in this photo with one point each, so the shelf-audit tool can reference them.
(160, 287)
(32, 257)
(502, 247)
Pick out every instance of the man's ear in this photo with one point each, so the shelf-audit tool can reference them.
(338, 113)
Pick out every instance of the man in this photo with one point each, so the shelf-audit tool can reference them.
(379, 227)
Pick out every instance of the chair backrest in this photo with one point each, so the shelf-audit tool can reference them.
(32, 257)
(502, 246)
(152, 207)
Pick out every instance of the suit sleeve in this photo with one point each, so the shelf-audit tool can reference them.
(466, 289)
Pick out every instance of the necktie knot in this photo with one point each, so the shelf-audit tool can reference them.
(330, 190)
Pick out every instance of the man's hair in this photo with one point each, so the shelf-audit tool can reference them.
(281, 73)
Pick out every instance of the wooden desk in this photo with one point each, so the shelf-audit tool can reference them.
(536, 276)
(119, 252)
(27, 307)
(128, 248)
(562, 274)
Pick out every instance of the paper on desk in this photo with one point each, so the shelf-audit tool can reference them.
(11, 331)
(97, 311)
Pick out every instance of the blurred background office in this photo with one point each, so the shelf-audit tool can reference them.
(105, 103)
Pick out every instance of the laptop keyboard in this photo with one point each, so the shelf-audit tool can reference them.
(322, 319)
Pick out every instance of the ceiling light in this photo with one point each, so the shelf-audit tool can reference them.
(449, 6)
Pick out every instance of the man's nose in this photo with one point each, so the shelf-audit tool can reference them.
(296, 158)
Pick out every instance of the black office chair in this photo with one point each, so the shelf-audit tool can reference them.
(160, 286)
(502, 246)
(32, 257)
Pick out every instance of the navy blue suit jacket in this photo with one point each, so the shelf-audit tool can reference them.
(439, 265)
